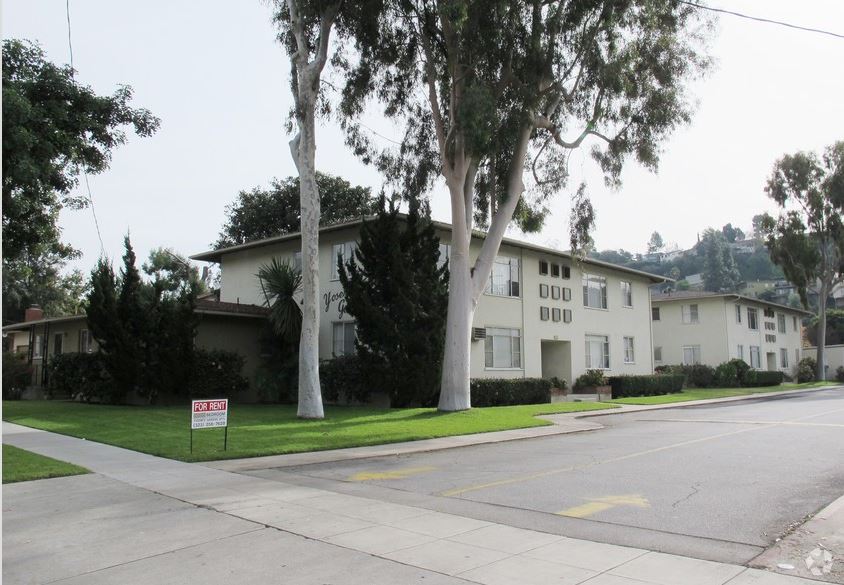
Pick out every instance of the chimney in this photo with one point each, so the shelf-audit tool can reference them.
(33, 313)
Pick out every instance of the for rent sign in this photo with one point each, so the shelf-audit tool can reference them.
(207, 414)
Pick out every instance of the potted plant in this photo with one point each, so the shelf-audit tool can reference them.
(592, 382)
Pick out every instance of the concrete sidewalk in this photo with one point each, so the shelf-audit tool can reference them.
(144, 519)
(571, 422)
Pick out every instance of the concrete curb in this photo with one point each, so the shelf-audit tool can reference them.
(563, 423)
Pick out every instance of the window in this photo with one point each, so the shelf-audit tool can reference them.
(344, 338)
(654, 313)
(783, 358)
(543, 268)
(58, 342)
(340, 254)
(555, 292)
(566, 315)
(794, 324)
(594, 291)
(781, 323)
(297, 261)
(690, 314)
(543, 313)
(566, 271)
(770, 326)
(504, 280)
(555, 270)
(84, 341)
(738, 313)
(691, 355)
(597, 352)
(555, 315)
(566, 294)
(38, 348)
(503, 348)
(755, 357)
(769, 313)
(626, 294)
(740, 352)
(629, 357)
(543, 291)
(657, 354)
(771, 338)
(797, 356)
(445, 255)
(752, 319)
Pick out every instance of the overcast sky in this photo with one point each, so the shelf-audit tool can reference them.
(214, 74)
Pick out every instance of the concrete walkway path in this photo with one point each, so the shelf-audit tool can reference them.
(142, 519)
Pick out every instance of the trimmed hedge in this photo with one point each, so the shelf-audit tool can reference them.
(82, 376)
(217, 373)
(343, 376)
(756, 379)
(655, 385)
(507, 392)
(17, 375)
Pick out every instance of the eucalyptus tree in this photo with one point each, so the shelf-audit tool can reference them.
(807, 238)
(493, 95)
(305, 31)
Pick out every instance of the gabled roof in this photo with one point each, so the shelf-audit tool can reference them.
(683, 295)
(216, 255)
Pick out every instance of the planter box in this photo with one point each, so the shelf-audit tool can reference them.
(558, 395)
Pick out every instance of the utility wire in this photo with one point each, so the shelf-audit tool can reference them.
(765, 20)
(84, 172)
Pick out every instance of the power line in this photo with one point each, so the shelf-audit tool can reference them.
(761, 19)
(84, 172)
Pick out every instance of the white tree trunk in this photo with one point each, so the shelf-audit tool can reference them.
(820, 374)
(454, 389)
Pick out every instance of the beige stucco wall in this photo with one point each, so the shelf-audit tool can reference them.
(238, 283)
(834, 355)
(740, 333)
(234, 333)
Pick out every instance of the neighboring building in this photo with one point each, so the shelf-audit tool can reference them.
(227, 326)
(834, 355)
(691, 327)
(543, 313)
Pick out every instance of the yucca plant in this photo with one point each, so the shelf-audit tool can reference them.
(280, 283)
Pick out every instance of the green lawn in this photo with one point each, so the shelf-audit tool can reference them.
(20, 465)
(264, 429)
(704, 393)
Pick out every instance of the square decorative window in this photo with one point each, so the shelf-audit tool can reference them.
(555, 292)
(655, 314)
(657, 354)
(544, 313)
(752, 319)
(691, 355)
(503, 348)
(543, 268)
(566, 271)
(629, 356)
(343, 341)
(690, 314)
(555, 315)
(597, 352)
(504, 280)
(594, 291)
(566, 294)
(626, 294)
(341, 254)
(543, 291)
(555, 270)
(566, 315)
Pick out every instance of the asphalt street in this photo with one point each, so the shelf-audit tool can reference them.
(720, 481)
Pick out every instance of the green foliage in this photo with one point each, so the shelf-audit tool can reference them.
(839, 373)
(281, 283)
(343, 378)
(834, 328)
(217, 373)
(508, 392)
(591, 379)
(655, 244)
(720, 272)
(398, 295)
(82, 376)
(263, 213)
(761, 378)
(731, 374)
(17, 375)
(806, 369)
(656, 385)
(699, 376)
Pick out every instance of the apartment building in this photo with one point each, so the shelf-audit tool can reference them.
(543, 313)
(693, 327)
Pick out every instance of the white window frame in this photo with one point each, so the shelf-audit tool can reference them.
(758, 353)
(626, 294)
(343, 251)
(601, 361)
(505, 288)
(691, 314)
(752, 319)
(629, 349)
(555, 292)
(591, 283)
(544, 313)
(655, 316)
(38, 347)
(695, 355)
(783, 357)
(740, 352)
(512, 339)
(556, 315)
(338, 346)
(543, 291)
(658, 353)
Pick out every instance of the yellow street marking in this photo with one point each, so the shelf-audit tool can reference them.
(605, 503)
(394, 474)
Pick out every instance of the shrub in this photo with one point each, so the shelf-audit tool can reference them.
(755, 379)
(344, 377)
(658, 384)
(806, 369)
(82, 376)
(17, 375)
(699, 376)
(731, 374)
(839, 374)
(506, 392)
(590, 379)
(558, 383)
(217, 373)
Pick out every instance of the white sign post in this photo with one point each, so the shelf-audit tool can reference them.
(209, 414)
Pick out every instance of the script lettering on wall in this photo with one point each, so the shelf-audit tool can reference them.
(330, 298)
